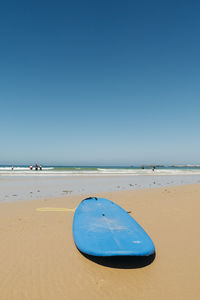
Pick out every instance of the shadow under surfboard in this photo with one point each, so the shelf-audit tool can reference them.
(122, 262)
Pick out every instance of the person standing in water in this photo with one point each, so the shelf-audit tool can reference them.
(36, 167)
(40, 167)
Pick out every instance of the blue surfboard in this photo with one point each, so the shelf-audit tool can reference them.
(103, 228)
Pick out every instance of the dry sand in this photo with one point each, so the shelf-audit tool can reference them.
(39, 260)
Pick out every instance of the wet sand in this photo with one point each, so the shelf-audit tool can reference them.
(39, 260)
(17, 188)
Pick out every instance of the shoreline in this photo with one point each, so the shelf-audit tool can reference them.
(22, 188)
(39, 259)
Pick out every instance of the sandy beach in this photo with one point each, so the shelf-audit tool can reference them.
(40, 261)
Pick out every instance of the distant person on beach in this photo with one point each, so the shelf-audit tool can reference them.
(31, 167)
(153, 168)
(36, 167)
(12, 168)
(40, 167)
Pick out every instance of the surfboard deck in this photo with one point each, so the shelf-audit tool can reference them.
(103, 228)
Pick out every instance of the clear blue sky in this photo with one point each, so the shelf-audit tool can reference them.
(99, 82)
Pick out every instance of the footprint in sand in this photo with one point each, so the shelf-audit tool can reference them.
(100, 283)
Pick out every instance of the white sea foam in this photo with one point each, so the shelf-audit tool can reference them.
(50, 171)
(21, 168)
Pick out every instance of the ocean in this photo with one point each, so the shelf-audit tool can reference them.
(24, 170)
